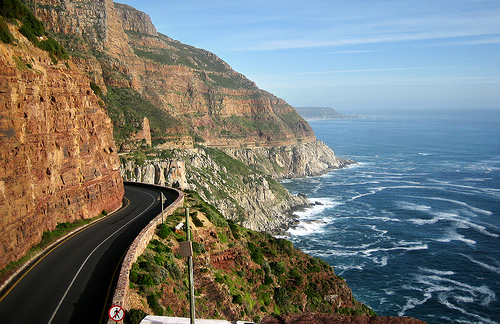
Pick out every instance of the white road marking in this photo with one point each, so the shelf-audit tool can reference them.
(88, 257)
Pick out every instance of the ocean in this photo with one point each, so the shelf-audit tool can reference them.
(414, 227)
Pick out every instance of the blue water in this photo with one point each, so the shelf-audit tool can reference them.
(414, 228)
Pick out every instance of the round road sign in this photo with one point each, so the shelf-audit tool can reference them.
(116, 313)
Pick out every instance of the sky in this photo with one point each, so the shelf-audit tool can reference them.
(352, 55)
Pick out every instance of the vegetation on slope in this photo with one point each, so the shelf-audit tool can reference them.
(127, 108)
(31, 28)
(239, 273)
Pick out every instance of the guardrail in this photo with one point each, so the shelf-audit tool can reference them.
(121, 296)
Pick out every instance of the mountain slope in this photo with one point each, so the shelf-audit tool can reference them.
(202, 96)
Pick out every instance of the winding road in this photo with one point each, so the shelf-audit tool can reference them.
(73, 281)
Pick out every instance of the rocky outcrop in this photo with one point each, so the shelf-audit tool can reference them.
(58, 160)
(163, 172)
(293, 161)
(312, 318)
(135, 20)
(143, 135)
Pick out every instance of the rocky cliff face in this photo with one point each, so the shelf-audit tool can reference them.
(293, 161)
(58, 160)
(312, 318)
(196, 93)
(241, 193)
(246, 192)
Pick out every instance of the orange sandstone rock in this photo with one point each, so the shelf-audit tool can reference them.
(58, 160)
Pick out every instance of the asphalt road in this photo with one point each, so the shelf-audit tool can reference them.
(74, 281)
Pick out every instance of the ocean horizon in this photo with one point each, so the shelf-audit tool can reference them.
(414, 226)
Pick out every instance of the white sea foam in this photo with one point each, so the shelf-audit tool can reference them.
(413, 302)
(444, 299)
(453, 235)
(486, 266)
(448, 287)
(438, 216)
(381, 261)
(461, 203)
(437, 272)
(413, 247)
(471, 189)
(319, 205)
(310, 219)
(412, 206)
(371, 192)
(307, 227)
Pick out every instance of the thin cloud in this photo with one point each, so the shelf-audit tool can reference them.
(376, 30)
(353, 71)
(470, 42)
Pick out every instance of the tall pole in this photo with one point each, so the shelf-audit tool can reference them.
(190, 269)
(162, 209)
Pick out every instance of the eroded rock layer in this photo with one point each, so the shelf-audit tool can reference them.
(58, 159)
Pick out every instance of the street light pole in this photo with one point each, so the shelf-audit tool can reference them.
(190, 269)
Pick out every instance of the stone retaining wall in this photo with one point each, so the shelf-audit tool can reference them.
(122, 292)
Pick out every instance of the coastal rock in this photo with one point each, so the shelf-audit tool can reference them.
(313, 318)
(242, 194)
(163, 172)
(58, 160)
(292, 161)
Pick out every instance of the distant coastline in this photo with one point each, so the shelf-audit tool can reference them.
(315, 113)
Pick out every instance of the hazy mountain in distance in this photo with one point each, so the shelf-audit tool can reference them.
(321, 113)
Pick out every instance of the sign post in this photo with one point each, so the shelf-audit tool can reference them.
(190, 268)
(116, 313)
(162, 209)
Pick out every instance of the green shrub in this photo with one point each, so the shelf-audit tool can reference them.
(237, 299)
(159, 259)
(280, 296)
(197, 222)
(146, 280)
(164, 231)
(173, 269)
(134, 273)
(153, 304)
(234, 229)
(158, 246)
(135, 316)
(52, 46)
(277, 267)
(198, 247)
(97, 90)
(5, 34)
(255, 253)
